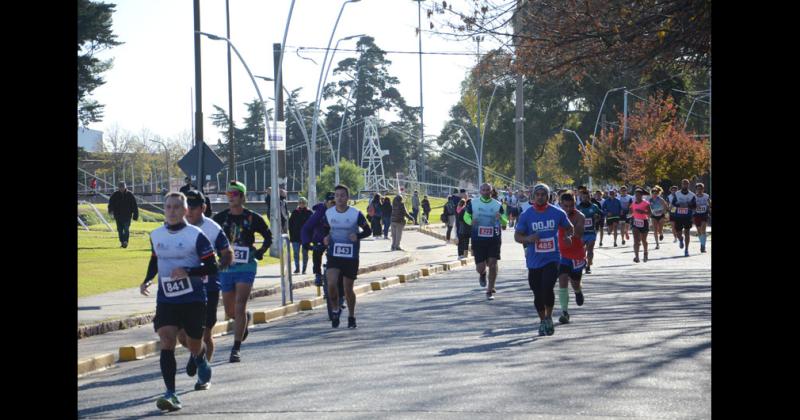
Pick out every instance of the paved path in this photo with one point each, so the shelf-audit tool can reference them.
(640, 347)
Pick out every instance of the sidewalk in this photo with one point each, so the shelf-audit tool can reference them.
(422, 250)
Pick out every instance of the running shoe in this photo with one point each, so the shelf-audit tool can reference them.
(201, 386)
(489, 296)
(588, 270)
(645, 257)
(204, 373)
(351, 322)
(296, 271)
(601, 243)
(191, 367)
(542, 328)
(235, 356)
(657, 247)
(483, 280)
(636, 259)
(681, 244)
(623, 242)
(615, 244)
(579, 298)
(550, 327)
(702, 249)
(169, 402)
(335, 320)
(564, 319)
(246, 326)
(686, 252)
(661, 237)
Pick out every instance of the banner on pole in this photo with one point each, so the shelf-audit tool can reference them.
(278, 137)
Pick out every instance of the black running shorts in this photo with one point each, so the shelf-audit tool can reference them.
(211, 308)
(483, 250)
(348, 266)
(187, 316)
(682, 223)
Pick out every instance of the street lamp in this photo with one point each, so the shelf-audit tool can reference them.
(478, 159)
(312, 185)
(166, 151)
(582, 146)
(600, 112)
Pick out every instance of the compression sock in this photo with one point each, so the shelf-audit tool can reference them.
(168, 368)
(563, 298)
(237, 345)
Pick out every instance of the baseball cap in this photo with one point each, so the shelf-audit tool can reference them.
(238, 186)
(329, 196)
(194, 198)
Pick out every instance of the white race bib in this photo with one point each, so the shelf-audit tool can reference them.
(546, 245)
(701, 209)
(241, 254)
(485, 231)
(343, 250)
(176, 287)
(576, 264)
(683, 210)
(639, 223)
(587, 222)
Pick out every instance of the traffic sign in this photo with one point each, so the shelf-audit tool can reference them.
(211, 162)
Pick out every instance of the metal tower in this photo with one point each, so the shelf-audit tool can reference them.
(372, 158)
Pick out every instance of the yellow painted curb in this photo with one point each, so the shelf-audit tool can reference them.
(95, 363)
(138, 351)
(426, 271)
(376, 285)
(260, 317)
(306, 305)
(364, 288)
(222, 327)
(392, 281)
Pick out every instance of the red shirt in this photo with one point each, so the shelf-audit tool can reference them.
(574, 252)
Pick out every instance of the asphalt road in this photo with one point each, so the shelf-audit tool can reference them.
(640, 347)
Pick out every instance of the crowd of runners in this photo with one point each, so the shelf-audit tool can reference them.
(196, 257)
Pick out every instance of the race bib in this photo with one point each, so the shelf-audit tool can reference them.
(343, 250)
(701, 209)
(639, 223)
(241, 254)
(176, 287)
(587, 222)
(683, 210)
(576, 264)
(485, 231)
(546, 245)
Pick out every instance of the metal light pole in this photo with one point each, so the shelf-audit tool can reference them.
(312, 175)
(478, 39)
(166, 151)
(478, 158)
(421, 157)
(231, 130)
(198, 113)
(625, 116)
(600, 112)
(584, 150)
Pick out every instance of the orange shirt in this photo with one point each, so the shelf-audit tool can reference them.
(640, 211)
(574, 252)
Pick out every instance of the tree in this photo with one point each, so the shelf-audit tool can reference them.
(549, 166)
(350, 175)
(94, 36)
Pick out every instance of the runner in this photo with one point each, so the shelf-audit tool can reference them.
(612, 208)
(513, 209)
(598, 200)
(314, 232)
(701, 214)
(195, 216)
(592, 215)
(684, 202)
(625, 217)
(488, 215)
(240, 225)
(640, 212)
(573, 256)
(181, 256)
(536, 230)
(343, 242)
(658, 206)
(672, 190)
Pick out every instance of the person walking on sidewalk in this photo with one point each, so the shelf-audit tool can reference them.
(122, 206)
(374, 214)
(415, 207)
(343, 242)
(426, 210)
(399, 216)
(386, 216)
(196, 217)
(450, 212)
(463, 230)
(240, 226)
(298, 218)
(180, 256)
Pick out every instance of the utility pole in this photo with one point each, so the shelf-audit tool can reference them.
(232, 145)
(478, 39)
(625, 117)
(198, 113)
(519, 133)
(421, 106)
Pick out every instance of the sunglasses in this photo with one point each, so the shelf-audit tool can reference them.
(234, 193)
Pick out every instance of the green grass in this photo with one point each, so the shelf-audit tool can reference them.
(105, 267)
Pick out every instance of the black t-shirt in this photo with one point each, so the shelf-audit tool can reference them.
(240, 229)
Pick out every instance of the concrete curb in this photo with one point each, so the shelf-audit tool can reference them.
(103, 327)
(143, 350)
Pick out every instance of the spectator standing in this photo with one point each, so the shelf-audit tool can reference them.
(298, 218)
(122, 206)
(374, 215)
(415, 206)
(399, 216)
(426, 209)
(386, 216)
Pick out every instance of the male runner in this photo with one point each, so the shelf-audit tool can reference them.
(592, 214)
(684, 202)
(625, 216)
(486, 215)
(195, 216)
(573, 256)
(181, 256)
(598, 200)
(536, 230)
(612, 208)
(240, 226)
(640, 215)
(701, 213)
(672, 190)
(343, 241)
